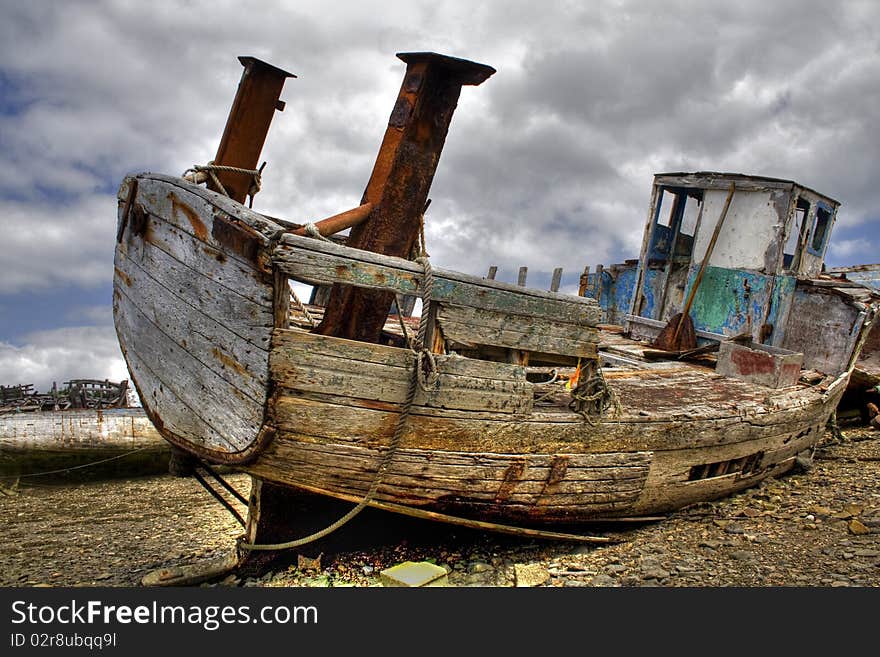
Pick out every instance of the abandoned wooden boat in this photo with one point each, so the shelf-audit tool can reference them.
(505, 404)
(201, 297)
(866, 374)
(87, 429)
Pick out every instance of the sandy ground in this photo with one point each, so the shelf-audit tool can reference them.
(814, 528)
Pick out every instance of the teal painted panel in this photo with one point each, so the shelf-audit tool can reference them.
(729, 301)
(781, 300)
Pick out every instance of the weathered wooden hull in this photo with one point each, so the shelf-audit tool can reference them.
(668, 448)
(96, 442)
(201, 309)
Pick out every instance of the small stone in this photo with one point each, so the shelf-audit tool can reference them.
(741, 555)
(305, 563)
(530, 574)
(103, 576)
(856, 527)
(479, 567)
(368, 570)
(734, 528)
(751, 513)
(574, 582)
(604, 580)
(867, 553)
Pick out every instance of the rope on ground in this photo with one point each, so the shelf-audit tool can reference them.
(209, 171)
(419, 378)
(76, 467)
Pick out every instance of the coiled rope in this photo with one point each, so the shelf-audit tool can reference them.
(209, 171)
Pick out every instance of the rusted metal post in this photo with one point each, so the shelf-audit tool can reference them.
(252, 110)
(401, 179)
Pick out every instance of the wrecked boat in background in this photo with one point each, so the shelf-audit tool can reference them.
(504, 404)
(86, 429)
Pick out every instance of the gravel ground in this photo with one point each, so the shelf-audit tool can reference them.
(815, 528)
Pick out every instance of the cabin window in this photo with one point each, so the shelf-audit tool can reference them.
(791, 250)
(667, 209)
(684, 242)
(820, 229)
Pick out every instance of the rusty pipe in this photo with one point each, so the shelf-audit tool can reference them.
(339, 222)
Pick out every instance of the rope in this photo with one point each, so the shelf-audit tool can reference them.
(76, 467)
(301, 307)
(590, 392)
(419, 379)
(210, 170)
(313, 231)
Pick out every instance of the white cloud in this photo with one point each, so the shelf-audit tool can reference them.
(46, 244)
(87, 352)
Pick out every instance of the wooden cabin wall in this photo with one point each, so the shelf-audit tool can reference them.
(753, 218)
(822, 326)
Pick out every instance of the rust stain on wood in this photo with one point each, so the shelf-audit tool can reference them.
(228, 361)
(123, 276)
(558, 468)
(512, 476)
(195, 221)
(752, 362)
(233, 237)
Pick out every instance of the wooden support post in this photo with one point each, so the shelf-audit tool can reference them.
(557, 279)
(493, 270)
(518, 356)
(252, 110)
(584, 282)
(600, 270)
(399, 185)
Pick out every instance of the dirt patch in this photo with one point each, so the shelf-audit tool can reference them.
(815, 528)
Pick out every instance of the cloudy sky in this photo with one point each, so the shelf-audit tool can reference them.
(549, 163)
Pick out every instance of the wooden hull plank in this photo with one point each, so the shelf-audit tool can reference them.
(321, 364)
(487, 327)
(229, 356)
(336, 264)
(199, 389)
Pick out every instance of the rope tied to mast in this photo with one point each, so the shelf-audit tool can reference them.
(209, 171)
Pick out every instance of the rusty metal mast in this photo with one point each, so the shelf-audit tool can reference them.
(401, 179)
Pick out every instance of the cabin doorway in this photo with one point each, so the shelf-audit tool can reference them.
(676, 220)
